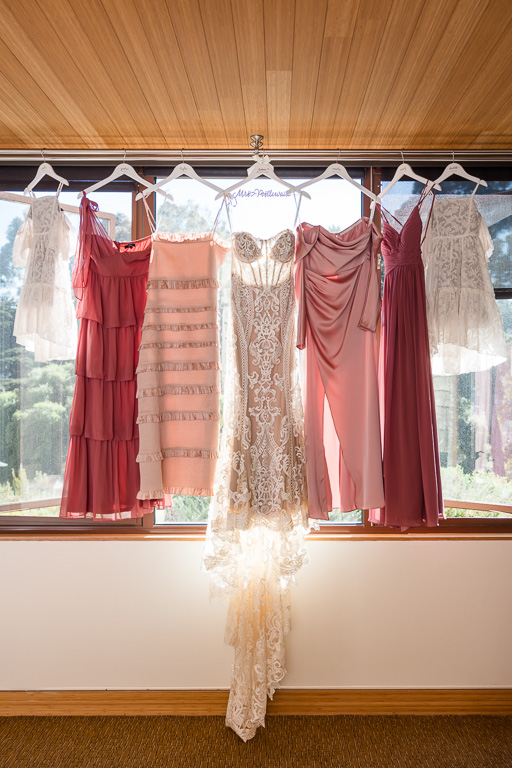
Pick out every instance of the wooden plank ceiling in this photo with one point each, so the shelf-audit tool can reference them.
(166, 74)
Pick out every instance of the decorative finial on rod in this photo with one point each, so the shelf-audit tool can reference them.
(257, 142)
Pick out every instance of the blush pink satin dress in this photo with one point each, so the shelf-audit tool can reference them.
(337, 287)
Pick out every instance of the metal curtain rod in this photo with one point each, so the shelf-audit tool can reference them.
(227, 157)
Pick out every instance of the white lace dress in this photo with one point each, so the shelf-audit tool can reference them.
(258, 516)
(464, 323)
(45, 318)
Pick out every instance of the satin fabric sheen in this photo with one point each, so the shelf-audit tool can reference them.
(412, 474)
(338, 291)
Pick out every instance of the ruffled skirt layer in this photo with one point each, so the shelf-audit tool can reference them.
(102, 476)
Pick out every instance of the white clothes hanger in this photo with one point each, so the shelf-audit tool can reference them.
(456, 169)
(183, 169)
(336, 169)
(45, 169)
(405, 170)
(123, 169)
(261, 167)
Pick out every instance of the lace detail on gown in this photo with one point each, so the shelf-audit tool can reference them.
(258, 516)
(464, 322)
(45, 318)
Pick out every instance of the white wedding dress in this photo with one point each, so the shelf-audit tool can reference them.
(464, 322)
(45, 321)
(258, 516)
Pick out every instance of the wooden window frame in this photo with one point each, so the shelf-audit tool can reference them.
(145, 527)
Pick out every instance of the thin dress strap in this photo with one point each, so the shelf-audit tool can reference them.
(224, 201)
(149, 215)
(297, 212)
(384, 212)
(431, 191)
(475, 189)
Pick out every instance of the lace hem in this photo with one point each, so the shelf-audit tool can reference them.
(177, 344)
(181, 366)
(177, 453)
(157, 418)
(178, 310)
(177, 390)
(194, 237)
(465, 331)
(175, 490)
(178, 285)
(258, 619)
(179, 326)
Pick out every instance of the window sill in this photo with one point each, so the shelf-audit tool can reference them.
(200, 536)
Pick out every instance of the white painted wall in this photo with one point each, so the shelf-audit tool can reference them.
(365, 614)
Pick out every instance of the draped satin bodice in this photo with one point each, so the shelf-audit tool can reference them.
(402, 248)
(330, 266)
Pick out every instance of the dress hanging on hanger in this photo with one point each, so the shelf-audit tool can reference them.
(45, 321)
(258, 517)
(338, 291)
(464, 322)
(101, 478)
(412, 474)
(178, 375)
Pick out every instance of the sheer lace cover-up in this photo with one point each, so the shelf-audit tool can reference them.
(464, 322)
(258, 515)
(45, 321)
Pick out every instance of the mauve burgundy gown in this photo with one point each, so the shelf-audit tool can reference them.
(412, 474)
(338, 292)
(101, 479)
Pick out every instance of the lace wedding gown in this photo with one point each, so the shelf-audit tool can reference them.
(258, 515)
(45, 321)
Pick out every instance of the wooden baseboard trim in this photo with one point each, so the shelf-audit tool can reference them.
(286, 702)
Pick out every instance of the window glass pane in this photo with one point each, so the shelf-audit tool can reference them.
(263, 208)
(474, 410)
(35, 398)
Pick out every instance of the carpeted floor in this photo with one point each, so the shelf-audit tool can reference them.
(287, 742)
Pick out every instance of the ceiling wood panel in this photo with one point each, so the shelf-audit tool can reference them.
(218, 28)
(319, 74)
(249, 33)
(86, 24)
(26, 56)
(57, 51)
(339, 28)
(435, 90)
(188, 26)
(363, 67)
(430, 25)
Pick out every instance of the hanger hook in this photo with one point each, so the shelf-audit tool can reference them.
(42, 154)
(257, 144)
(339, 155)
(124, 155)
(182, 158)
(402, 153)
(453, 156)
